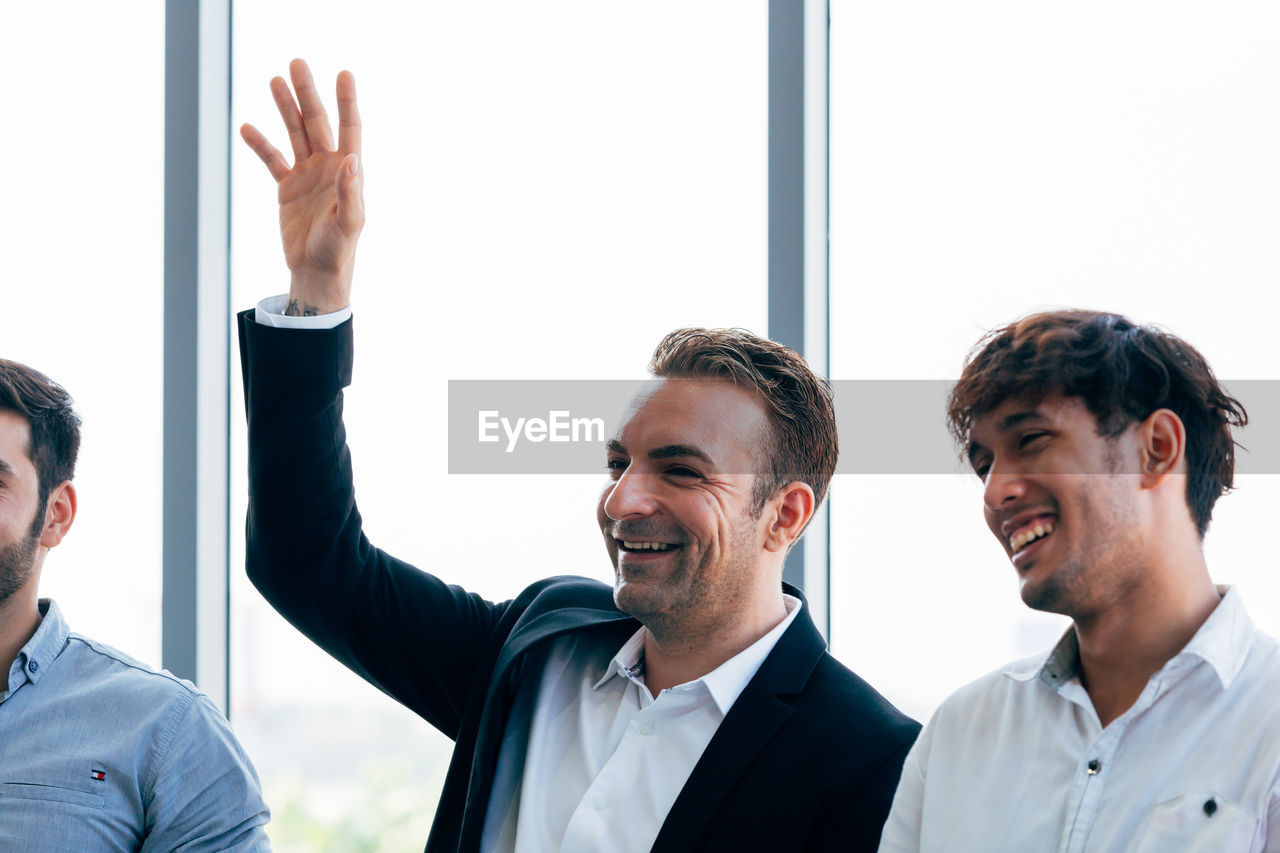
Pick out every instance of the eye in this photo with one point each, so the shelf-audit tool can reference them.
(981, 470)
(615, 466)
(1028, 438)
(683, 472)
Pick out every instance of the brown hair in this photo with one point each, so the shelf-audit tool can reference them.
(1122, 372)
(53, 424)
(798, 403)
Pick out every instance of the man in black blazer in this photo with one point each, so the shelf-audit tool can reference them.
(691, 707)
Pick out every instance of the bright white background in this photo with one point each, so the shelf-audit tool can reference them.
(82, 243)
(989, 159)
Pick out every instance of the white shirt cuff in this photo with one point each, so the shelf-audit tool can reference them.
(271, 313)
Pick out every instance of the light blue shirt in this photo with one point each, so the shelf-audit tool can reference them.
(99, 752)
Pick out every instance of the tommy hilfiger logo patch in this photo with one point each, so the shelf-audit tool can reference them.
(97, 775)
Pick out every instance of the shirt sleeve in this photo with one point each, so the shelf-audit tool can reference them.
(270, 312)
(901, 832)
(205, 795)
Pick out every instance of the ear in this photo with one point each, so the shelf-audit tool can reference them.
(790, 511)
(1162, 447)
(58, 515)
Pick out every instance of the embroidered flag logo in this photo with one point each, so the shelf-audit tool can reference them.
(97, 775)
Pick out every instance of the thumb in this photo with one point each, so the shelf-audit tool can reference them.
(350, 205)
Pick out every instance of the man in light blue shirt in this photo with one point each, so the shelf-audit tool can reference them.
(97, 751)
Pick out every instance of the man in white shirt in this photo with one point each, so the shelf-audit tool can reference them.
(691, 707)
(1154, 724)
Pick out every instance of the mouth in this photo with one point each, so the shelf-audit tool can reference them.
(1033, 531)
(633, 550)
(638, 547)
(1029, 537)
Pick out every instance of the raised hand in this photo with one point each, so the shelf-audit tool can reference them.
(322, 195)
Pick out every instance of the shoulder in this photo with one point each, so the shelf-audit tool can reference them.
(993, 691)
(563, 592)
(103, 669)
(837, 687)
(107, 695)
(844, 730)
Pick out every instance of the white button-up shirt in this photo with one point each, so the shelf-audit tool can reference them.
(602, 761)
(1018, 760)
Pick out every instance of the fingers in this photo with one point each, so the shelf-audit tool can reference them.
(266, 152)
(348, 115)
(350, 204)
(292, 119)
(314, 118)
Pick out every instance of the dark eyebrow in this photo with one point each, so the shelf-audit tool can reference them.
(6, 469)
(1016, 418)
(1006, 424)
(670, 451)
(679, 451)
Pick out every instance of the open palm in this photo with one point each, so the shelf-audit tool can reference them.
(321, 196)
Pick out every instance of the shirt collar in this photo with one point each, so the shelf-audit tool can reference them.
(45, 644)
(1224, 639)
(1222, 642)
(727, 681)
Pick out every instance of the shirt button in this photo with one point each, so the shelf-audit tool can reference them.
(1094, 767)
(1210, 806)
(33, 666)
(646, 729)
(599, 802)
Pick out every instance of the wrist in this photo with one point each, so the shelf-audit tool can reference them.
(318, 294)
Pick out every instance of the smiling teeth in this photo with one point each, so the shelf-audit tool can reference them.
(1026, 537)
(646, 546)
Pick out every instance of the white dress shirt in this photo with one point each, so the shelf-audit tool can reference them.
(602, 761)
(1018, 760)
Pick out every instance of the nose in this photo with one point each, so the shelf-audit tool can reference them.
(630, 496)
(1003, 487)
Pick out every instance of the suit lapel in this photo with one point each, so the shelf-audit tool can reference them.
(762, 709)
(507, 673)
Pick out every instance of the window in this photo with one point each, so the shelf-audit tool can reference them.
(551, 188)
(83, 296)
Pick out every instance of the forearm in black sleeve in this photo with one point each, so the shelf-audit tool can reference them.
(416, 638)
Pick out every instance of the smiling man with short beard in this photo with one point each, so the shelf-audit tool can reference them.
(97, 751)
(1152, 726)
(693, 707)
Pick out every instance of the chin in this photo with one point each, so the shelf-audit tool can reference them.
(645, 604)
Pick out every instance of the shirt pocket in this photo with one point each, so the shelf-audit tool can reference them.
(1199, 823)
(53, 783)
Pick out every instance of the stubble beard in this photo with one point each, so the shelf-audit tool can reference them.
(18, 560)
(682, 609)
(1096, 576)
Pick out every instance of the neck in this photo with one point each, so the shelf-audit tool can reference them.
(678, 655)
(1122, 646)
(19, 619)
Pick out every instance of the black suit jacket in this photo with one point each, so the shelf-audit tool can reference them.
(807, 758)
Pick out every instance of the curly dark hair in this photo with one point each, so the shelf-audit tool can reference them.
(54, 426)
(1122, 371)
(798, 403)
